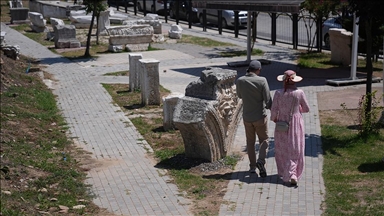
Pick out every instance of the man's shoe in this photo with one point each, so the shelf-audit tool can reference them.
(262, 171)
(252, 170)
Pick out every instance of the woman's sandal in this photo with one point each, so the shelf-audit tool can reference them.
(293, 182)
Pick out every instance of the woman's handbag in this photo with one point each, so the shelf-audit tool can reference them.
(283, 125)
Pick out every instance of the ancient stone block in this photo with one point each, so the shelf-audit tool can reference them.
(37, 22)
(103, 23)
(19, 14)
(65, 37)
(169, 104)
(155, 23)
(136, 47)
(115, 48)
(80, 19)
(341, 49)
(56, 21)
(150, 82)
(11, 51)
(209, 114)
(175, 32)
(134, 71)
(2, 38)
(129, 39)
(134, 38)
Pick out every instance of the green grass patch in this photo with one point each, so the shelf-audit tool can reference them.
(150, 48)
(353, 172)
(206, 42)
(94, 50)
(40, 38)
(235, 53)
(118, 73)
(323, 61)
(36, 153)
(315, 60)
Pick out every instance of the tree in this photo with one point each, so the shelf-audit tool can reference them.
(94, 7)
(320, 10)
(369, 12)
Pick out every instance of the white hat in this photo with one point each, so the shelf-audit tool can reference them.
(292, 76)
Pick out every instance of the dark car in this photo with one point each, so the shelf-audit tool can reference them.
(184, 8)
(334, 22)
(228, 17)
(119, 2)
(152, 6)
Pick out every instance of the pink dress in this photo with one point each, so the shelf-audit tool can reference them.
(290, 145)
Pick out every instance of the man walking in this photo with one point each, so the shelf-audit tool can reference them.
(254, 90)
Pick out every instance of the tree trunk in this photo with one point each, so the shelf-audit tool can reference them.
(368, 28)
(97, 32)
(87, 54)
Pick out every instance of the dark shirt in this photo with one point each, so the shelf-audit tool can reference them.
(254, 90)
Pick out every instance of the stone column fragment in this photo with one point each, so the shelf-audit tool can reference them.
(150, 92)
(209, 114)
(134, 71)
(169, 104)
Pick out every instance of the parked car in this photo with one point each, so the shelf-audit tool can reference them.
(184, 8)
(334, 22)
(228, 17)
(119, 2)
(149, 6)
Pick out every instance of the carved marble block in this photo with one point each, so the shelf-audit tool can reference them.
(209, 114)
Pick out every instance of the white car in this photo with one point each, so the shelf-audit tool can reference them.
(328, 24)
(228, 17)
(149, 6)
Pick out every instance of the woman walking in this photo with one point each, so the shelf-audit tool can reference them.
(287, 106)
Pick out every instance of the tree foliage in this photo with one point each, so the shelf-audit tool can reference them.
(322, 9)
(317, 11)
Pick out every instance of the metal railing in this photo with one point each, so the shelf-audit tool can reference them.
(275, 27)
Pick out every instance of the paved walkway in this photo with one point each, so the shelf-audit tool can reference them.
(127, 183)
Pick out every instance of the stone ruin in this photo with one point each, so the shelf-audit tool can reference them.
(15, 4)
(341, 46)
(144, 76)
(208, 115)
(175, 32)
(134, 38)
(11, 51)
(132, 35)
(19, 14)
(80, 19)
(63, 35)
(2, 38)
(38, 23)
